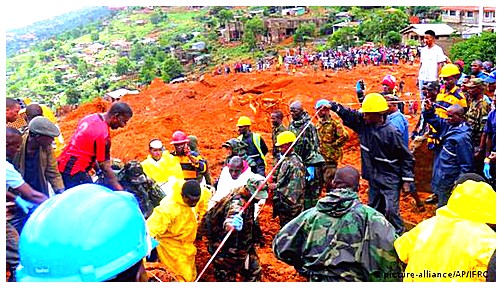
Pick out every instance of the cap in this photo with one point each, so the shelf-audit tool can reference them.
(43, 126)
(156, 144)
(474, 82)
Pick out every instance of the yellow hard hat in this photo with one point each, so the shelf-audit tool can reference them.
(243, 121)
(449, 70)
(374, 103)
(285, 137)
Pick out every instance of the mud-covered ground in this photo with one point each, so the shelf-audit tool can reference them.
(209, 108)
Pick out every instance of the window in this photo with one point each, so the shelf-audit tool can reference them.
(487, 14)
(453, 13)
(470, 14)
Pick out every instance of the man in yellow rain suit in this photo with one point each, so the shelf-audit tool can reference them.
(457, 243)
(174, 225)
(160, 164)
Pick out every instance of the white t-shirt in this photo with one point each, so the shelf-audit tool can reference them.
(12, 177)
(429, 59)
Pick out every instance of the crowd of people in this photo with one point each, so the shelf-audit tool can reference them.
(81, 216)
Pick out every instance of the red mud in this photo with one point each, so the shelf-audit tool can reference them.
(209, 109)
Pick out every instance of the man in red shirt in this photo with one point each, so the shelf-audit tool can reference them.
(91, 143)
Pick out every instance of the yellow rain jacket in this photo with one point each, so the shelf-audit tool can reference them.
(456, 244)
(161, 170)
(201, 207)
(174, 225)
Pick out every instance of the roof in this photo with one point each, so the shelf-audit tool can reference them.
(121, 92)
(419, 29)
(466, 8)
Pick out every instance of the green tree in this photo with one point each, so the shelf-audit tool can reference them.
(94, 36)
(252, 28)
(82, 68)
(392, 38)
(72, 95)
(123, 66)
(482, 47)
(343, 36)
(58, 77)
(224, 16)
(304, 32)
(171, 68)
(381, 22)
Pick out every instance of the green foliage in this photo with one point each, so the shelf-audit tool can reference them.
(481, 47)
(58, 77)
(382, 22)
(252, 29)
(171, 68)
(343, 36)
(304, 32)
(412, 42)
(82, 68)
(72, 95)
(224, 15)
(392, 38)
(123, 66)
(94, 36)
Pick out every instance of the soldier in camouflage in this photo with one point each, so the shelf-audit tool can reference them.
(238, 254)
(144, 189)
(476, 117)
(307, 147)
(332, 137)
(289, 189)
(341, 239)
(237, 147)
(277, 127)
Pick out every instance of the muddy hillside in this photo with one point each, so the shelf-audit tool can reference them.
(209, 108)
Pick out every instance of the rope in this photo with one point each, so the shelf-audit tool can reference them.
(254, 195)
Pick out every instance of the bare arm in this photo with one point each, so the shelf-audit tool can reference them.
(106, 167)
(28, 193)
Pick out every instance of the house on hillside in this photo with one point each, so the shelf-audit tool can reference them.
(117, 94)
(344, 24)
(199, 46)
(462, 18)
(417, 32)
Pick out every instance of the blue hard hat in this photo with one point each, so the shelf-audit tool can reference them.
(88, 233)
(320, 103)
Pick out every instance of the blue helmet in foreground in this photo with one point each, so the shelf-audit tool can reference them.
(89, 233)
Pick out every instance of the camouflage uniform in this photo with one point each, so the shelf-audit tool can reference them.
(232, 258)
(307, 147)
(332, 137)
(144, 189)
(476, 118)
(339, 240)
(239, 148)
(276, 130)
(289, 194)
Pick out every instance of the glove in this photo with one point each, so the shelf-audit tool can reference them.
(486, 171)
(310, 172)
(237, 222)
(25, 205)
